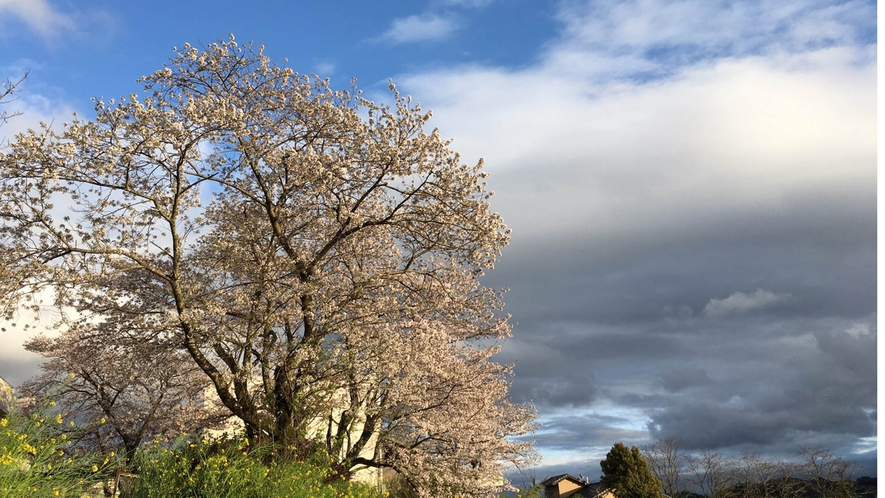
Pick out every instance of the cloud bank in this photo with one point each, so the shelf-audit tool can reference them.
(658, 162)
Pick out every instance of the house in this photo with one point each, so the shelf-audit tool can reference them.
(567, 485)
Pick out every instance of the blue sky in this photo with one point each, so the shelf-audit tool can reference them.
(691, 184)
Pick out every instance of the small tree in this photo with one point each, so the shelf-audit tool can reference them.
(666, 462)
(828, 476)
(756, 477)
(627, 472)
(124, 391)
(711, 473)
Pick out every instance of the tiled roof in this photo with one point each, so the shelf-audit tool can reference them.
(551, 481)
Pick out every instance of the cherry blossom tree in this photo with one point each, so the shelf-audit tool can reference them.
(315, 254)
(123, 390)
(9, 281)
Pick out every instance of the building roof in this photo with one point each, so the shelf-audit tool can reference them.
(552, 481)
(586, 490)
(592, 490)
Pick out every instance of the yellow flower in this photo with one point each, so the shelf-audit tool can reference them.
(103, 420)
(94, 468)
(3, 422)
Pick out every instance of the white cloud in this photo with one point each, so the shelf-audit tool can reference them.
(32, 109)
(324, 69)
(577, 144)
(17, 363)
(741, 302)
(668, 34)
(721, 141)
(40, 16)
(427, 27)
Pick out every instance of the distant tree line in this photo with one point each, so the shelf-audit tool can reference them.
(819, 473)
(665, 469)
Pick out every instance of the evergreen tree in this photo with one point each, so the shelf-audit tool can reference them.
(627, 473)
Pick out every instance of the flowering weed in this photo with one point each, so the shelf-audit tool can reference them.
(229, 468)
(35, 459)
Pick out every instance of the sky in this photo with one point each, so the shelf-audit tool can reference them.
(691, 186)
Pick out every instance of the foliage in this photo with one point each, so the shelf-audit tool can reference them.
(231, 468)
(36, 459)
(626, 471)
(316, 255)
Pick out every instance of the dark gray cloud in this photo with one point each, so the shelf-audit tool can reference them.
(686, 258)
(770, 378)
(678, 380)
